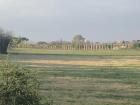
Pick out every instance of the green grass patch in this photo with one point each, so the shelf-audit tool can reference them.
(84, 85)
(125, 52)
(92, 86)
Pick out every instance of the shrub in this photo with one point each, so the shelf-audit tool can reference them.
(17, 85)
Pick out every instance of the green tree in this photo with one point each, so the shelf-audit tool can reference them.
(18, 86)
(136, 44)
(5, 38)
(77, 41)
(16, 41)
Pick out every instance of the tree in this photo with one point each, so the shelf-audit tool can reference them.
(42, 43)
(16, 41)
(17, 86)
(24, 39)
(78, 40)
(5, 38)
(136, 44)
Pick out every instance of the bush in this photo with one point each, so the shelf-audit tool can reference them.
(17, 85)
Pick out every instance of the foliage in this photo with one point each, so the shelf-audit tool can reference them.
(5, 38)
(15, 41)
(136, 44)
(77, 41)
(42, 43)
(17, 85)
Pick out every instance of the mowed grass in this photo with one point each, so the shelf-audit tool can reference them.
(72, 83)
(87, 85)
(125, 52)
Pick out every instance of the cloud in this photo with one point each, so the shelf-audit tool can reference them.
(44, 8)
(65, 17)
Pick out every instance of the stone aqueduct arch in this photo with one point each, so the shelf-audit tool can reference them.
(91, 47)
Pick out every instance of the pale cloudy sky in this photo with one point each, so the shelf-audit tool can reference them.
(97, 20)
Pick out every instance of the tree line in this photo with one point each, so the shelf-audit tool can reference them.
(79, 43)
(7, 40)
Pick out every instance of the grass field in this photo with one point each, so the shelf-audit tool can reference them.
(70, 78)
(125, 52)
(74, 85)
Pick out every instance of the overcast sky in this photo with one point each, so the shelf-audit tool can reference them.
(97, 20)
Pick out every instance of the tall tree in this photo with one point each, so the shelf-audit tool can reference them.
(77, 41)
(5, 38)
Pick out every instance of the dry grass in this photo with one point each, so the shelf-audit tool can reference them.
(114, 62)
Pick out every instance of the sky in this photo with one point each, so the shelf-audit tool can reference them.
(49, 20)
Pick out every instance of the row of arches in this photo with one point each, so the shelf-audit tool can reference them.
(87, 47)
